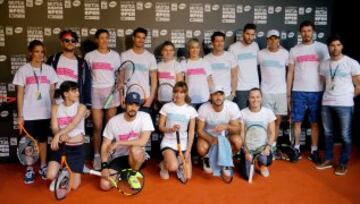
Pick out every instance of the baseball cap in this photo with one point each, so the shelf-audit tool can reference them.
(133, 97)
(217, 89)
(272, 32)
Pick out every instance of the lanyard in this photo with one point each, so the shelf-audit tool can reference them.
(332, 74)
(37, 78)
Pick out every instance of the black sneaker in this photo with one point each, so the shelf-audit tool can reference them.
(296, 156)
(327, 164)
(315, 157)
(340, 170)
(206, 165)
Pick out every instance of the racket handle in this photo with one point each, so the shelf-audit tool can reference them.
(251, 173)
(93, 172)
(108, 101)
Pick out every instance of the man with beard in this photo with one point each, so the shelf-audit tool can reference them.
(245, 52)
(216, 117)
(70, 67)
(304, 86)
(131, 131)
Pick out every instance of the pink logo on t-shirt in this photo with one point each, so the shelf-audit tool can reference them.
(128, 136)
(66, 72)
(307, 58)
(101, 66)
(165, 75)
(32, 80)
(195, 71)
(64, 121)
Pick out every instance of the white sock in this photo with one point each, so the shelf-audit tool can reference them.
(297, 147)
(273, 145)
(96, 155)
(314, 148)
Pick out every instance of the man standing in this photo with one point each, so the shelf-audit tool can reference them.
(245, 52)
(145, 67)
(224, 65)
(340, 73)
(70, 67)
(304, 87)
(273, 62)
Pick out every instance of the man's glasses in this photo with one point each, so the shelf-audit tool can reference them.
(69, 40)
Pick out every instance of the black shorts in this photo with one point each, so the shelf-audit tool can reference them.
(174, 150)
(122, 162)
(39, 129)
(75, 156)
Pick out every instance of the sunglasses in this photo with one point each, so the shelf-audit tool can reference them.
(69, 40)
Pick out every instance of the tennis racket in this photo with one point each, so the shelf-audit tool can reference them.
(28, 148)
(183, 169)
(165, 92)
(64, 177)
(127, 181)
(286, 152)
(255, 135)
(127, 65)
(137, 89)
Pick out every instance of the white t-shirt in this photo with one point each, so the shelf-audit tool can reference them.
(67, 70)
(221, 67)
(196, 74)
(144, 63)
(273, 70)
(343, 70)
(177, 115)
(167, 74)
(119, 129)
(261, 118)
(307, 59)
(212, 118)
(103, 67)
(65, 115)
(33, 107)
(247, 60)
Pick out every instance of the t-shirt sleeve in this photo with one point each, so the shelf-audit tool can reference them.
(202, 112)
(323, 68)
(208, 68)
(291, 56)
(153, 64)
(355, 68)
(235, 112)
(19, 78)
(163, 111)
(193, 113)
(109, 131)
(53, 77)
(271, 116)
(178, 68)
(147, 124)
(233, 62)
(117, 61)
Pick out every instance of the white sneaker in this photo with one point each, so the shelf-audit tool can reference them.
(164, 174)
(206, 165)
(52, 186)
(264, 171)
(97, 162)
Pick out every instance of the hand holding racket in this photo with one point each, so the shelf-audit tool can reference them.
(127, 65)
(28, 148)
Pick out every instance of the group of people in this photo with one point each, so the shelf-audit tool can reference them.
(215, 100)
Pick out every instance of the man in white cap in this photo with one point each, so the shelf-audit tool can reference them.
(216, 117)
(273, 61)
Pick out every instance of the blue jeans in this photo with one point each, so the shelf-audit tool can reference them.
(343, 114)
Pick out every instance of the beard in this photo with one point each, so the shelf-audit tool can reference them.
(131, 114)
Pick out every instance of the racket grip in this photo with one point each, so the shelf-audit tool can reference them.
(93, 172)
(108, 101)
(251, 173)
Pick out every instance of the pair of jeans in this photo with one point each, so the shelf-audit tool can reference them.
(330, 115)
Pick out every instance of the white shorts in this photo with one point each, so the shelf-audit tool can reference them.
(276, 102)
(99, 95)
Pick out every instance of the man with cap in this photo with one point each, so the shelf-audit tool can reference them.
(273, 61)
(216, 117)
(131, 131)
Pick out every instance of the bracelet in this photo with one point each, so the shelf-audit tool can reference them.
(104, 165)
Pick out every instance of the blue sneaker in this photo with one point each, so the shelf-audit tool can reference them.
(42, 172)
(29, 177)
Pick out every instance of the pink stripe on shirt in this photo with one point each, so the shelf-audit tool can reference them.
(101, 66)
(307, 58)
(32, 80)
(165, 75)
(128, 136)
(195, 71)
(66, 72)
(63, 121)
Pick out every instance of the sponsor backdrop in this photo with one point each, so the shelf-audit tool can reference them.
(25, 20)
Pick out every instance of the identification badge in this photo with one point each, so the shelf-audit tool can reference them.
(332, 86)
(38, 95)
